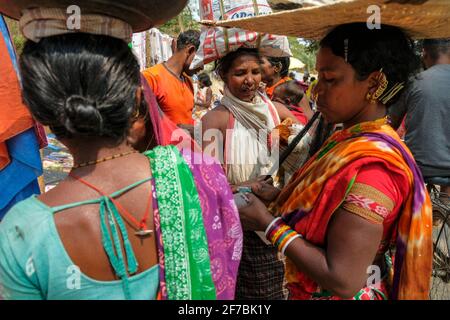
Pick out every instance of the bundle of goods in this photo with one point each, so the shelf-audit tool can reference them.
(216, 42)
(140, 14)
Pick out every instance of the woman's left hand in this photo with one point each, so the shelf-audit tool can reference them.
(266, 192)
(255, 216)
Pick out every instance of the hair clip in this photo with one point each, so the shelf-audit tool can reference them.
(387, 96)
(382, 85)
(346, 50)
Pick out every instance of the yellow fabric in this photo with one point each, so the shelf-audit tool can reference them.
(376, 139)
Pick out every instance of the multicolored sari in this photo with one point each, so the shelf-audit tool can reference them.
(320, 187)
(199, 250)
(198, 229)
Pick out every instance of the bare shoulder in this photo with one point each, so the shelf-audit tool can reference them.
(216, 118)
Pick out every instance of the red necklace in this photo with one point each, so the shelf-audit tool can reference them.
(141, 225)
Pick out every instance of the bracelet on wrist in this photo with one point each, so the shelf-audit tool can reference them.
(274, 221)
(280, 234)
(283, 250)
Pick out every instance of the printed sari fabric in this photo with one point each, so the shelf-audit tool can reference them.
(183, 239)
(198, 229)
(204, 186)
(218, 210)
(326, 182)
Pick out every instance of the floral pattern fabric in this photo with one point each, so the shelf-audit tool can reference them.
(198, 229)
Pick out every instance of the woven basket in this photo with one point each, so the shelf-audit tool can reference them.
(140, 14)
(431, 19)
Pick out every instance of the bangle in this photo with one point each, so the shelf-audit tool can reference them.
(280, 234)
(270, 226)
(284, 237)
(289, 242)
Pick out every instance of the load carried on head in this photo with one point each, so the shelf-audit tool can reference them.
(216, 42)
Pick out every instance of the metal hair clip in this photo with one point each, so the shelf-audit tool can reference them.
(346, 49)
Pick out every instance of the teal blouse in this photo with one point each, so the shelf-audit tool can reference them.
(35, 265)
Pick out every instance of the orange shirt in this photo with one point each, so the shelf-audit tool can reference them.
(270, 90)
(175, 95)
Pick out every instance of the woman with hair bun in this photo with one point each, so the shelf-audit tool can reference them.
(122, 225)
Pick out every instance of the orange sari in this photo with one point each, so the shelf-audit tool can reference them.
(307, 206)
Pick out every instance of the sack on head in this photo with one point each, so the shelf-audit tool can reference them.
(216, 42)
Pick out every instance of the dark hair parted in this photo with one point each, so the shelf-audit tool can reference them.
(370, 50)
(189, 37)
(283, 62)
(224, 64)
(436, 47)
(81, 85)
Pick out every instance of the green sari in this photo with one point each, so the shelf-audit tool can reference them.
(181, 233)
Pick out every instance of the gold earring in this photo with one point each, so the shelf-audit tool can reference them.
(382, 85)
(371, 97)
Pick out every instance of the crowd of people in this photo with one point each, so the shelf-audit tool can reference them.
(140, 217)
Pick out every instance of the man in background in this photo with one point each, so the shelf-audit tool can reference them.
(426, 104)
(171, 81)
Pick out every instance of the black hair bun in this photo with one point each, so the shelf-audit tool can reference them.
(81, 85)
(81, 116)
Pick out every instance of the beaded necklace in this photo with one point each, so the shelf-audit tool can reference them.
(90, 163)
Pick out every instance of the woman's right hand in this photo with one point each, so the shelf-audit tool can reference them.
(261, 187)
(248, 184)
(254, 216)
